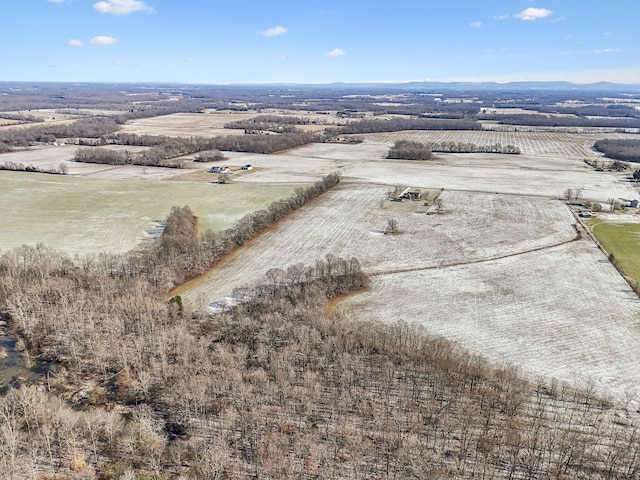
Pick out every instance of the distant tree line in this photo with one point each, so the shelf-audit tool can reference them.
(399, 124)
(536, 120)
(593, 110)
(624, 150)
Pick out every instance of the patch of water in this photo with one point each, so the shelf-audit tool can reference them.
(15, 368)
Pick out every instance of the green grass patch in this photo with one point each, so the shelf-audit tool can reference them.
(623, 241)
(87, 215)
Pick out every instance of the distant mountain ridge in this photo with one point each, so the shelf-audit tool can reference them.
(495, 86)
(412, 86)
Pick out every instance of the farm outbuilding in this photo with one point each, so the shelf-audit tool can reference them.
(410, 194)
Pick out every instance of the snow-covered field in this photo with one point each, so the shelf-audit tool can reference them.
(504, 276)
(562, 312)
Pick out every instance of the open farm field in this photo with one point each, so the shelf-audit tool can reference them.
(348, 222)
(539, 144)
(186, 124)
(504, 276)
(212, 122)
(562, 312)
(513, 174)
(5, 122)
(79, 215)
(52, 157)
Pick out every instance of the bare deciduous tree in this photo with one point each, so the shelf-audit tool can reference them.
(392, 226)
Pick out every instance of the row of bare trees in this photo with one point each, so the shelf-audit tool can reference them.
(61, 169)
(469, 147)
(186, 255)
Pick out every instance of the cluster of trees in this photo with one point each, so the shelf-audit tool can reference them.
(209, 156)
(398, 124)
(408, 150)
(62, 169)
(264, 143)
(624, 150)
(537, 120)
(463, 147)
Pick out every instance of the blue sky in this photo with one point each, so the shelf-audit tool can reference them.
(319, 41)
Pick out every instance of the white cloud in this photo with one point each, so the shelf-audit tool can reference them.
(501, 17)
(532, 13)
(607, 50)
(273, 32)
(103, 40)
(189, 59)
(122, 7)
(74, 43)
(475, 24)
(280, 58)
(59, 1)
(336, 52)
(121, 63)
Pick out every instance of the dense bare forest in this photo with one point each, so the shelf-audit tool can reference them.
(277, 387)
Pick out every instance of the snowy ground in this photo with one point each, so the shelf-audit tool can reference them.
(501, 271)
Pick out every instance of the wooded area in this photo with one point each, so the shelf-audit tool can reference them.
(624, 150)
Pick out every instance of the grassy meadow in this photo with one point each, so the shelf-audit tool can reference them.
(82, 215)
(623, 241)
